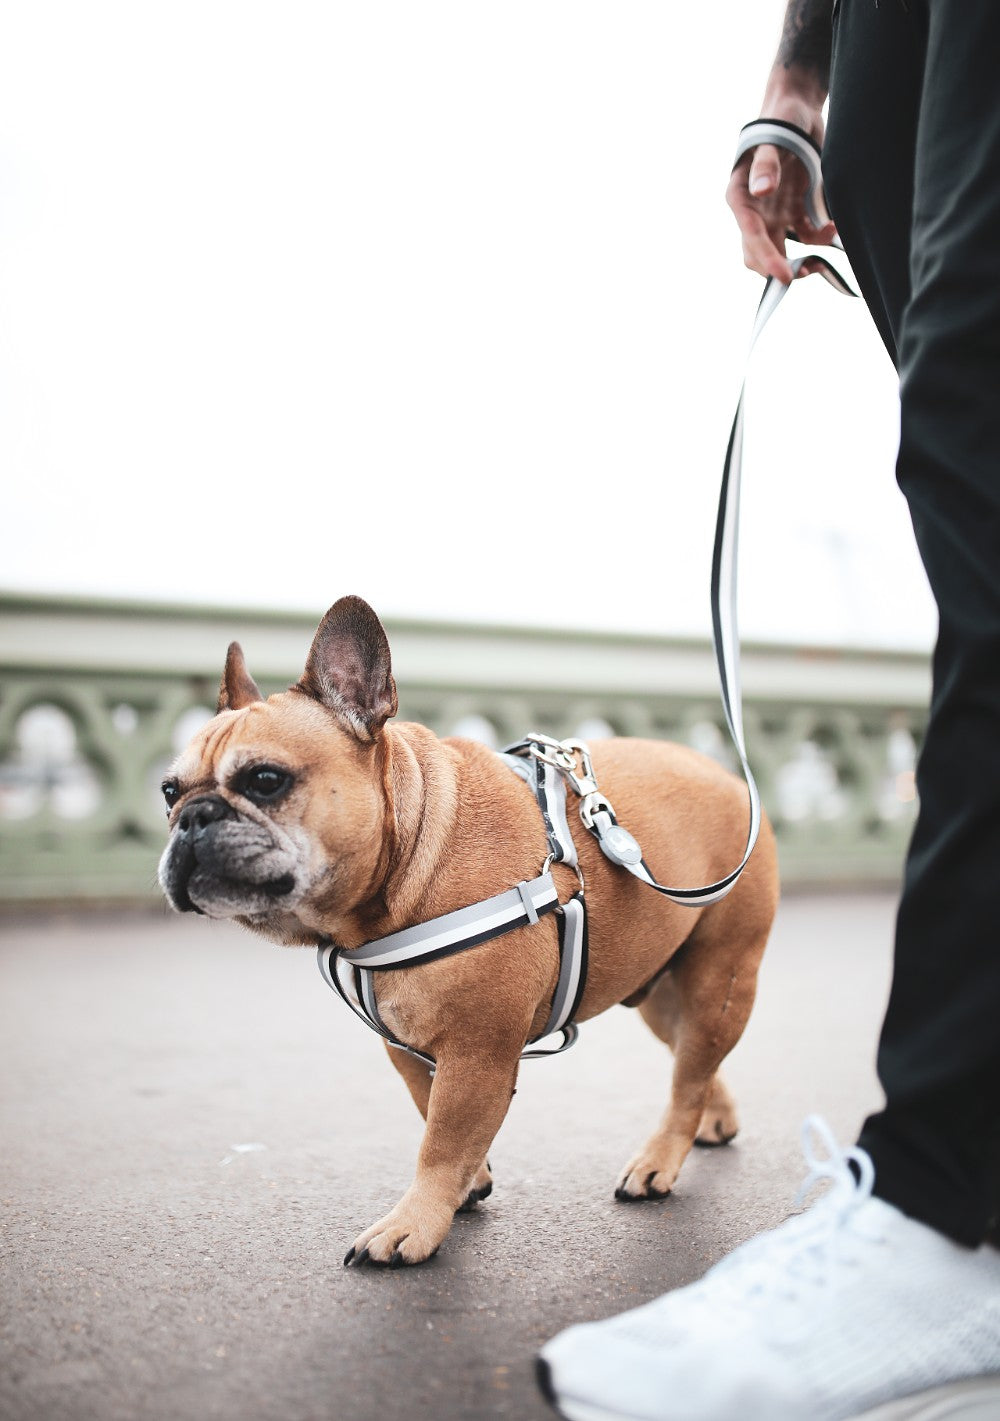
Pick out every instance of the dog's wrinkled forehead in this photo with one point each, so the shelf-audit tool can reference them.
(285, 729)
(219, 749)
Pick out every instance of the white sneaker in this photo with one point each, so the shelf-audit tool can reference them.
(850, 1309)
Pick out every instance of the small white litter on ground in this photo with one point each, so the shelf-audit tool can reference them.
(241, 1150)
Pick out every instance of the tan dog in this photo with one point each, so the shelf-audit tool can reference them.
(306, 817)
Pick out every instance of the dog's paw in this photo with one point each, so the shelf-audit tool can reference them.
(481, 1188)
(411, 1233)
(637, 1185)
(715, 1130)
(651, 1173)
(719, 1124)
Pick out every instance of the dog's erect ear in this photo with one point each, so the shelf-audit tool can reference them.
(237, 687)
(349, 668)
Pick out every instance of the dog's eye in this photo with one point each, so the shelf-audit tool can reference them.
(171, 793)
(265, 782)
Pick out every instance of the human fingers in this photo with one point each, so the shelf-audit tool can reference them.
(764, 177)
(762, 230)
(761, 252)
(811, 236)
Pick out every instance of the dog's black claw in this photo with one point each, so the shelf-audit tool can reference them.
(474, 1197)
(715, 1144)
(625, 1198)
(349, 1257)
(652, 1193)
(397, 1260)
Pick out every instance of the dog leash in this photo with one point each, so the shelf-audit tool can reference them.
(596, 812)
(350, 972)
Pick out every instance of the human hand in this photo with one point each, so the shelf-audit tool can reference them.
(767, 192)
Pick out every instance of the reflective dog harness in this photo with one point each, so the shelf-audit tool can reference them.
(547, 765)
(351, 972)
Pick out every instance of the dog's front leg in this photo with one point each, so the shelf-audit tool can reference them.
(467, 1103)
(418, 1078)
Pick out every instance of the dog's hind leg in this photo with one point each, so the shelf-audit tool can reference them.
(661, 1011)
(418, 1080)
(699, 1008)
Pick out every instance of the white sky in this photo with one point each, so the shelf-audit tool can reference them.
(439, 303)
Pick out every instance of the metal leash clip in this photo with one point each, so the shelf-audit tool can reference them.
(572, 759)
(563, 756)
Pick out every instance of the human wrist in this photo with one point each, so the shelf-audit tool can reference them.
(796, 95)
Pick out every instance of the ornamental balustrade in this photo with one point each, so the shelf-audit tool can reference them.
(97, 697)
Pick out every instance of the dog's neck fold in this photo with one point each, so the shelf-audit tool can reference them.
(420, 793)
(421, 799)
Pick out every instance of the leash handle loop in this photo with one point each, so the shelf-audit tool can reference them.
(803, 146)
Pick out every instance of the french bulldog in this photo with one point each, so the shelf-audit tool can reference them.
(310, 817)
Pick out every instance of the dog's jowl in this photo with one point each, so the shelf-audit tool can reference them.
(313, 818)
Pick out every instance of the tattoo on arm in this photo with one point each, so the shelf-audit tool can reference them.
(807, 37)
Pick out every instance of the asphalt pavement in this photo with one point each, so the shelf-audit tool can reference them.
(195, 1129)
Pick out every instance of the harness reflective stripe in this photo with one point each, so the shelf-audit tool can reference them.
(549, 789)
(572, 971)
(356, 988)
(466, 927)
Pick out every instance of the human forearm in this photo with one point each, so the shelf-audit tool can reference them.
(802, 65)
(767, 187)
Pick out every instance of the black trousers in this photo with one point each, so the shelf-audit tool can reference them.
(912, 170)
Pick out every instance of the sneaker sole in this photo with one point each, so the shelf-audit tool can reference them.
(974, 1400)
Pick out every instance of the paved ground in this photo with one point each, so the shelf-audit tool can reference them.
(195, 1129)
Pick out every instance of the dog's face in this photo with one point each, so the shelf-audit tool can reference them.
(277, 807)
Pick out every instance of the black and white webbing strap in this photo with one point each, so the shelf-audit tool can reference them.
(571, 760)
(545, 780)
(596, 812)
(724, 556)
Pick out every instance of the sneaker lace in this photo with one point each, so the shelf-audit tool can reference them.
(775, 1274)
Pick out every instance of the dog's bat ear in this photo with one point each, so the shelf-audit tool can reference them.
(237, 687)
(349, 668)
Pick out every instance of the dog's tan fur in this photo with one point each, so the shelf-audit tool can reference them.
(384, 825)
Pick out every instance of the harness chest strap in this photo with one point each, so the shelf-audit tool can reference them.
(351, 973)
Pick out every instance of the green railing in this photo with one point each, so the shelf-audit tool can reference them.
(96, 698)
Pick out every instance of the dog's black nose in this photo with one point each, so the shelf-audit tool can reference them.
(195, 817)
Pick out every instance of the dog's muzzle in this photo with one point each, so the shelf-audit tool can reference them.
(221, 859)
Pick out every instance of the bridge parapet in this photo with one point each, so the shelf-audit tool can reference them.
(96, 697)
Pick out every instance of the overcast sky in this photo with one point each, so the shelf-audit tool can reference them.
(439, 303)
